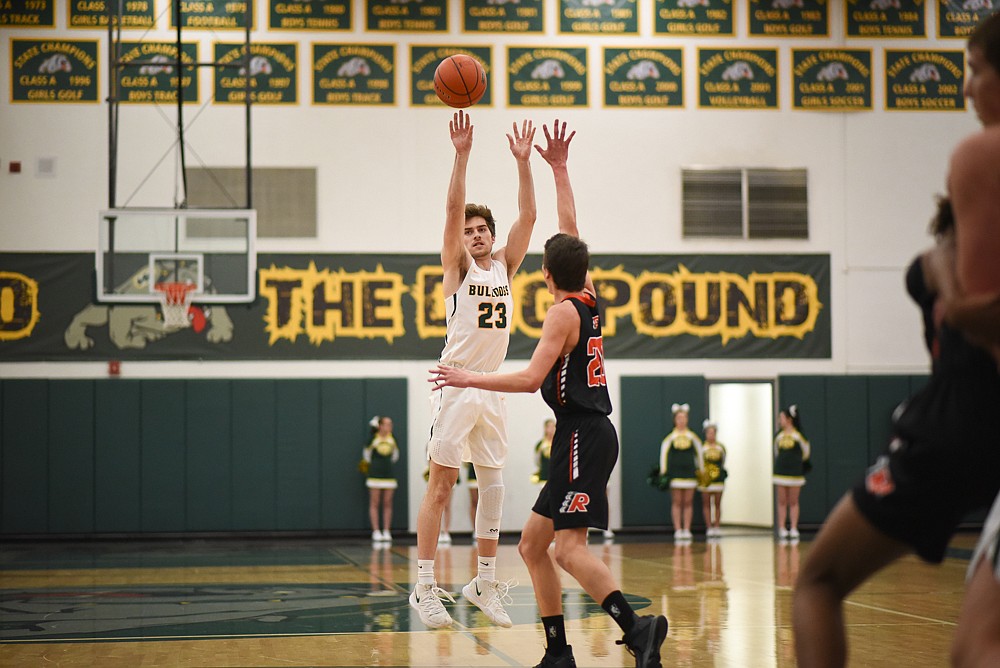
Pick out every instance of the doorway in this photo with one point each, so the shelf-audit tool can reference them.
(744, 412)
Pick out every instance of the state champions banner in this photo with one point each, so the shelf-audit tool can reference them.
(356, 306)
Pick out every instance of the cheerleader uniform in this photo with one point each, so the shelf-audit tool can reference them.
(381, 454)
(681, 458)
(543, 456)
(791, 452)
(714, 467)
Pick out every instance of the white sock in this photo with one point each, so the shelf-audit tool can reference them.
(487, 568)
(425, 571)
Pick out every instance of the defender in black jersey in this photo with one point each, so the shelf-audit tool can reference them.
(940, 466)
(568, 366)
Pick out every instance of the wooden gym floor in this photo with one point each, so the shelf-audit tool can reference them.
(341, 602)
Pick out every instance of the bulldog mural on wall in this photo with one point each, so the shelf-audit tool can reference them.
(135, 325)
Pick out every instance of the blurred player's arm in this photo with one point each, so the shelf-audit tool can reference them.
(974, 189)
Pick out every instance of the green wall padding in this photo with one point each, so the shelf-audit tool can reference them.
(117, 457)
(646, 419)
(25, 455)
(71, 457)
(121, 456)
(208, 435)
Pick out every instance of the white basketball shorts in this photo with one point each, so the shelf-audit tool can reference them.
(469, 425)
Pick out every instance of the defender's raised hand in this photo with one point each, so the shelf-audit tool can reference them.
(556, 150)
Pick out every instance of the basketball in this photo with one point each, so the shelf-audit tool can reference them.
(460, 81)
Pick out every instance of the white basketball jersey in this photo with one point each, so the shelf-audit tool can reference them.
(478, 317)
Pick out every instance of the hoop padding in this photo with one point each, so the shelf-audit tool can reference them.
(175, 300)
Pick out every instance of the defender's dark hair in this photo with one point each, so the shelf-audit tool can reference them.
(473, 210)
(567, 259)
(986, 38)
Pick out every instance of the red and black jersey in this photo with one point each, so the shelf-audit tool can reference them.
(577, 382)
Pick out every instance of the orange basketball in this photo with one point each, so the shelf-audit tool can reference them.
(460, 81)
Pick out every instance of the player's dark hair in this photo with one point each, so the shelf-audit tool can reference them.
(567, 259)
(943, 221)
(483, 211)
(986, 37)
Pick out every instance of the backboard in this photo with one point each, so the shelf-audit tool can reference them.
(213, 249)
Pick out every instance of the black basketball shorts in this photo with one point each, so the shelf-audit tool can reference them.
(584, 452)
(940, 466)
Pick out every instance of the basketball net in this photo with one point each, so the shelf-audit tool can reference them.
(175, 300)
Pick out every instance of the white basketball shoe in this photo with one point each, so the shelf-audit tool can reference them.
(490, 596)
(426, 600)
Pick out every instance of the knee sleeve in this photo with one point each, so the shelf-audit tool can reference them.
(490, 508)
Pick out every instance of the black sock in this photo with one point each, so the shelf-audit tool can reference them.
(620, 611)
(555, 634)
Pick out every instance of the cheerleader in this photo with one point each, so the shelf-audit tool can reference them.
(680, 461)
(380, 455)
(543, 453)
(711, 481)
(791, 463)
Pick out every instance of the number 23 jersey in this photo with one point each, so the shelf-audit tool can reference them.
(478, 317)
(577, 383)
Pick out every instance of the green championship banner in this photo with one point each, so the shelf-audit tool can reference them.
(309, 15)
(832, 79)
(599, 17)
(354, 74)
(387, 306)
(150, 72)
(28, 13)
(396, 16)
(644, 78)
(924, 80)
(789, 18)
(526, 16)
(53, 70)
(425, 59)
(214, 14)
(94, 13)
(885, 18)
(693, 17)
(272, 73)
(546, 77)
(958, 18)
(738, 78)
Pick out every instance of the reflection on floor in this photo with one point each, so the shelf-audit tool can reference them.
(344, 603)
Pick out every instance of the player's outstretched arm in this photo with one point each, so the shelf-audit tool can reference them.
(560, 321)
(556, 153)
(454, 256)
(520, 232)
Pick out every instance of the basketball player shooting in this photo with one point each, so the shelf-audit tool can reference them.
(470, 424)
(568, 366)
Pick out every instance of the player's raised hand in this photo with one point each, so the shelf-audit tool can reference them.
(461, 131)
(520, 142)
(556, 150)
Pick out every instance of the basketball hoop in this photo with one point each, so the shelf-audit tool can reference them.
(175, 300)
